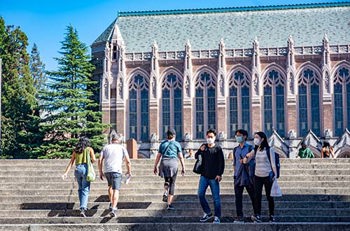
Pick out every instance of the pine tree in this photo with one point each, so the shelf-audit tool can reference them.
(18, 93)
(68, 101)
(37, 69)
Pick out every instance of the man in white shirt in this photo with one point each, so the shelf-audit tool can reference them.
(111, 158)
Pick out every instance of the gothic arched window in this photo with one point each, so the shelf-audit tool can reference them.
(138, 108)
(205, 104)
(274, 103)
(239, 102)
(309, 103)
(172, 105)
(341, 101)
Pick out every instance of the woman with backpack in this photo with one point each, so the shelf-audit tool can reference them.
(265, 174)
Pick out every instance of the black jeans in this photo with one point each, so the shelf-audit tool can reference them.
(239, 198)
(259, 183)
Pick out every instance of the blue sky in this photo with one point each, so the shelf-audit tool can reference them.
(45, 21)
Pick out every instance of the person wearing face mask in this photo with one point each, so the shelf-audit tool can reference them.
(243, 168)
(265, 172)
(213, 166)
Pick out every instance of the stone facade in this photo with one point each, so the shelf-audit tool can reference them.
(287, 91)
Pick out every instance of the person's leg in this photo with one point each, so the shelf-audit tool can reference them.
(258, 194)
(166, 189)
(85, 190)
(116, 183)
(108, 176)
(238, 200)
(172, 181)
(251, 193)
(79, 176)
(215, 190)
(202, 187)
(268, 186)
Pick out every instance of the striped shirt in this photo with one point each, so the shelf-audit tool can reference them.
(263, 166)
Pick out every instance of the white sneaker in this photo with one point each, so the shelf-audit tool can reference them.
(216, 220)
(206, 217)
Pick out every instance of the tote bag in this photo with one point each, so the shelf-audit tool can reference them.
(91, 175)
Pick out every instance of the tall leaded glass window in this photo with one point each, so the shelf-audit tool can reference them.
(172, 105)
(205, 104)
(239, 102)
(309, 103)
(274, 103)
(138, 108)
(341, 100)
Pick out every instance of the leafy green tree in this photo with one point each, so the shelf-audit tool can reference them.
(18, 93)
(68, 104)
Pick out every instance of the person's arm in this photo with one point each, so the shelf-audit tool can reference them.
(182, 161)
(331, 152)
(221, 165)
(322, 153)
(92, 155)
(273, 163)
(100, 165)
(249, 157)
(71, 162)
(156, 162)
(127, 162)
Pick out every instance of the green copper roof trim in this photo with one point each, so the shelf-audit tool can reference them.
(233, 9)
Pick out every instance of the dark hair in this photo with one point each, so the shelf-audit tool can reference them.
(82, 144)
(171, 133)
(264, 144)
(211, 131)
(326, 144)
(243, 132)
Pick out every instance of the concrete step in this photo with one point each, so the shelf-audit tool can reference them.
(138, 183)
(179, 212)
(226, 204)
(151, 178)
(179, 191)
(149, 173)
(88, 225)
(150, 198)
(172, 219)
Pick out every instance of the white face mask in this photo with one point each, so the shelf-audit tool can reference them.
(257, 141)
(210, 140)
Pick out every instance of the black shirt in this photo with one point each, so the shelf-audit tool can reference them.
(213, 161)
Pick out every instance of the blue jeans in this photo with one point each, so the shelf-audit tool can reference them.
(83, 185)
(215, 191)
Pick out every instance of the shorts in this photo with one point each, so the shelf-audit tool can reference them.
(114, 179)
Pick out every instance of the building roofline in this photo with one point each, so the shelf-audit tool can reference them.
(232, 9)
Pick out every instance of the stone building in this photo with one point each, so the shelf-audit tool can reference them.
(284, 70)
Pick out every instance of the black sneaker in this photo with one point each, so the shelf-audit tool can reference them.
(206, 217)
(239, 220)
(165, 197)
(170, 207)
(256, 218)
(272, 218)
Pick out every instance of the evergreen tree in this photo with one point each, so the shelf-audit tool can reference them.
(18, 93)
(68, 101)
(37, 69)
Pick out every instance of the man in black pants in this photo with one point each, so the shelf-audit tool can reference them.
(243, 165)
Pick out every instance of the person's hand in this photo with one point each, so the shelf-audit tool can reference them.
(155, 170)
(101, 175)
(64, 176)
(218, 178)
(202, 148)
(183, 171)
(245, 160)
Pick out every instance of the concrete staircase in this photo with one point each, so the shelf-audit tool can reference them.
(316, 196)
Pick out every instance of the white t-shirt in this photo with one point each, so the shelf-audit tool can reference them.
(113, 155)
